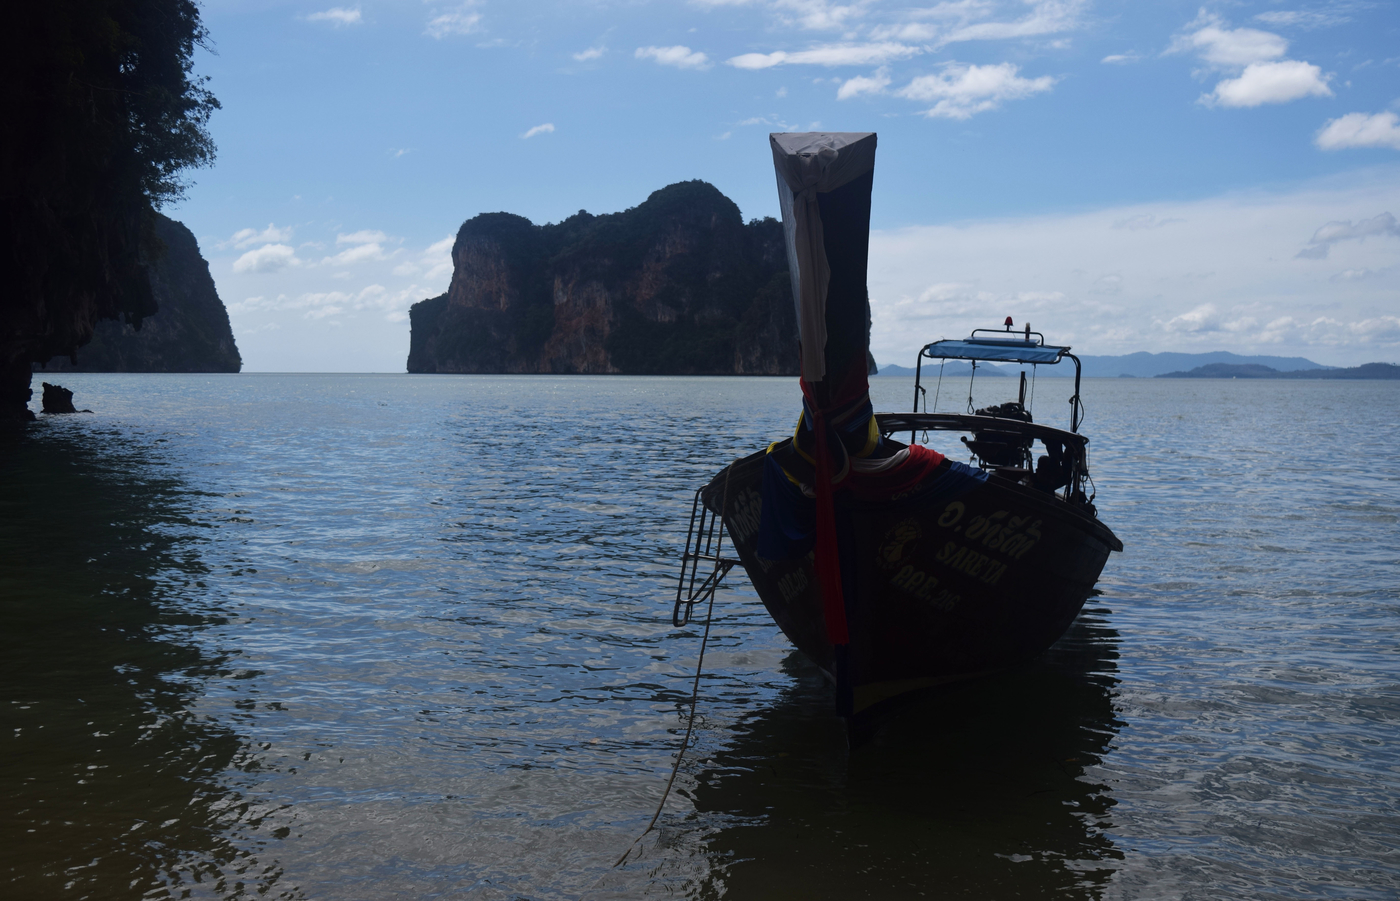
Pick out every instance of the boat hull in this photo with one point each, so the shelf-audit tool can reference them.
(941, 585)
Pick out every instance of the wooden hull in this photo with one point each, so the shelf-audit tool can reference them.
(947, 585)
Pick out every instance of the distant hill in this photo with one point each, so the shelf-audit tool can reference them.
(1146, 365)
(679, 284)
(1139, 365)
(1255, 371)
(189, 332)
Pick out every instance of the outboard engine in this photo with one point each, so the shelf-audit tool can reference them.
(996, 448)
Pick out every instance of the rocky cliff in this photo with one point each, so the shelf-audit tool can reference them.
(679, 285)
(189, 332)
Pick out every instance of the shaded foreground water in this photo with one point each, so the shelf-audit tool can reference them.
(360, 637)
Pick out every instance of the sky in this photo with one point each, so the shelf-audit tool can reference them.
(1125, 176)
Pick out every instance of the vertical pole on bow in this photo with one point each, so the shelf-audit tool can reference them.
(824, 181)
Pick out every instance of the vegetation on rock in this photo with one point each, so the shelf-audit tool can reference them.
(189, 332)
(102, 113)
(678, 284)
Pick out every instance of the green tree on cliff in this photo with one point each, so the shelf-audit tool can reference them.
(101, 115)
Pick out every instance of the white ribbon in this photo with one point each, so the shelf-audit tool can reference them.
(808, 164)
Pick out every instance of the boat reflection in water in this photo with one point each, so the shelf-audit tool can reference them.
(983, 789)
(111, 782)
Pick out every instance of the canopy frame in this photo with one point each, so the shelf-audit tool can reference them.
(986, 345)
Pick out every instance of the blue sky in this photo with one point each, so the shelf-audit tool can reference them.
(1129, 176)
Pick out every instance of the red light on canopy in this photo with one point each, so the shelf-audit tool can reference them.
(1009, 323)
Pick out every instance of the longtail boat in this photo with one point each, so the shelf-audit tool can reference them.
(891, 566)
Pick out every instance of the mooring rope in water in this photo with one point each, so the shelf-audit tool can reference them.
(695, 688)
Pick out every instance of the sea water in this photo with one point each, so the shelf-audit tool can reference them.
(391, 636)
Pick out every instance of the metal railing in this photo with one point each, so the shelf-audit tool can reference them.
(703, 541)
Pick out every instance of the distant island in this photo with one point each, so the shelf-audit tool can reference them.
(1256, 371)
(677, 285)
(1149, 365)
(1220, 364)
(189, 332)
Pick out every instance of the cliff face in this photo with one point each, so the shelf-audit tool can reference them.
(676, 285)
(189, 332)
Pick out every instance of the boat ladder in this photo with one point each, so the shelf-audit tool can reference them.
(703, 541)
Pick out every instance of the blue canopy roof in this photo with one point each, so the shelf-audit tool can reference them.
(1004, 350)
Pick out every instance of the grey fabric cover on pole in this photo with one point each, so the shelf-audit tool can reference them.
(808, 164)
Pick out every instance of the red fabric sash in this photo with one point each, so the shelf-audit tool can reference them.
(920, 464)
(827, 559)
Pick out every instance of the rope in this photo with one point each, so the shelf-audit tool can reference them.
(936, 389)
(695, 688)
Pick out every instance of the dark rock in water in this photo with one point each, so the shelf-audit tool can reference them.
(677, 285)
(189, 332)
(58, 399)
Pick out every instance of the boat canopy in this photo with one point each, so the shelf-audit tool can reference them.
(1001, 350)
(997, 346)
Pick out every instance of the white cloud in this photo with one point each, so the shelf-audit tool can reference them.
(1302, 18)
(1356, 275)
(865, 84)
(1045, 17)
(777, 123)
(1107, 284)
(268, 258)
(963, 91)
(1229, 47)
(362, 237)
(1327, 331)
(1322, 240)
(1262, 75)
(820, 15)
(1222, 275)
(1276, 82)
(1204, 318)
(1332, 232)
(435, 263)
(439, 258)
(248, 304)
(324, 304)
(461, 20)
(343, 313)
(545, 129)
(1360, 130)
(827, 55)
(1120, 59)
(982, 20)
(1144, 220)
(590, 54)
(680, 56)
(247, 237)
(357, 253)
(337, 16)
